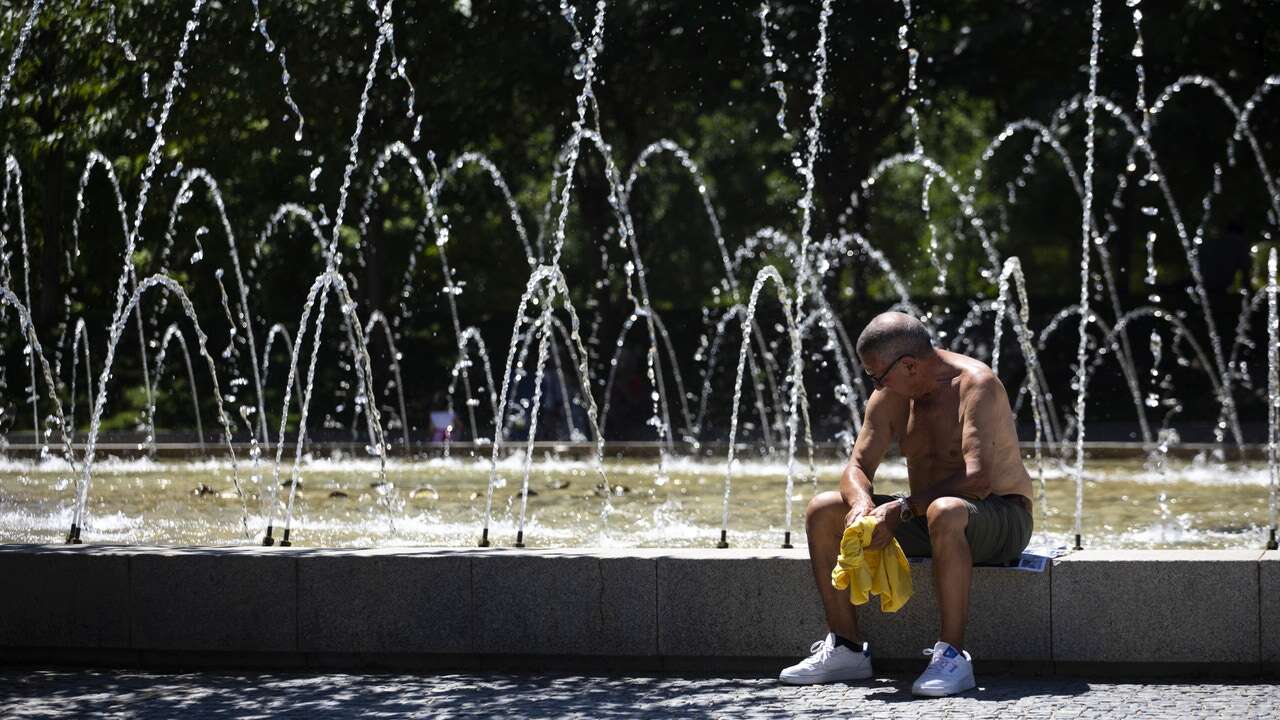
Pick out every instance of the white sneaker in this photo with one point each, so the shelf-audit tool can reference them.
(950, 671)
(829, 663)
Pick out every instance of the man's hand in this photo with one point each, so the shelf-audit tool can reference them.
(888, 515)
(858, 510)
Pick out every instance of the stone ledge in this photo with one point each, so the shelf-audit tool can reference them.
(243, 601)
(647, 606)
(1009, 617)
(380, 601)
(1168, 606)
(737, 603)
(62, 598)
(1269, 607)
(563, 604)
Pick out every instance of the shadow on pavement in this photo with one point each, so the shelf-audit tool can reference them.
(92, 693)
(990, 689)
(83, 693)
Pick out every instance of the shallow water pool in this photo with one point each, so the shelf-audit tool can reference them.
(343, 503)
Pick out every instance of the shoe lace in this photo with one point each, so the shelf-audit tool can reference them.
(938, 662)
(819, 652)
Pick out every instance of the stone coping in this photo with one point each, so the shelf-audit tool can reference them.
(1134, 611)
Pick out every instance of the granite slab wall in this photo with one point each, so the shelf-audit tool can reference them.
(1125, 608)
(1159, 606)
(1269, 609)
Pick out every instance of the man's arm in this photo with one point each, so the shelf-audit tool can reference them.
(985, 408)
(868, 450)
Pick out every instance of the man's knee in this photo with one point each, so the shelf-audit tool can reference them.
(824, 508)
(947, 516)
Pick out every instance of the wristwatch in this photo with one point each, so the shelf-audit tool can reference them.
(904, 512)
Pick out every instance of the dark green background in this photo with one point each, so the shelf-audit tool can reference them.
(499, 81)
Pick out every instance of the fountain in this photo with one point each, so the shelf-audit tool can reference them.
(805, 382)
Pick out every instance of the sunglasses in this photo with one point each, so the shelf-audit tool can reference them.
(878, 382)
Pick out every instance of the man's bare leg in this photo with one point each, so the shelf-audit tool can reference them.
(952, 566)
(824, 524)
(831, 659)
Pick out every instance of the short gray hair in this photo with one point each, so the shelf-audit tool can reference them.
(893, 334)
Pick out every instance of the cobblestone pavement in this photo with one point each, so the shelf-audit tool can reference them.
(125, 694)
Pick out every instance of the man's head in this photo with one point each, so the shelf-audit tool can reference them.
(890, 340)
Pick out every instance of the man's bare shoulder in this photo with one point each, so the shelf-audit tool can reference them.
(976, 377)
(886, 407)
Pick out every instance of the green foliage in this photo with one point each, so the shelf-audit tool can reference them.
(499, 81)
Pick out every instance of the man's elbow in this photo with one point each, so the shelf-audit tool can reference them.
(855, 477)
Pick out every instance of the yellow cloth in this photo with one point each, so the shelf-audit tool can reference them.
(871, 572)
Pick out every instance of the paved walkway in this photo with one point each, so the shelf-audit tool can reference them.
(84, 694)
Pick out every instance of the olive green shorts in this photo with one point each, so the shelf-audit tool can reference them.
(999, 529)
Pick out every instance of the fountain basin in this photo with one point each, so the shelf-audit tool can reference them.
(1130, 612)
(1189, 503)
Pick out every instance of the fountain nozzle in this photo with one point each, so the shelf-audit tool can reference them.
(1272, 544)
(786, 540)
(1078, 545)
(484, 538)
(268, 541)
(73, 535)
(724, 540)
(519, 538)
(284, 541)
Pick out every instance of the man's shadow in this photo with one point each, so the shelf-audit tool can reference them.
(992, 688)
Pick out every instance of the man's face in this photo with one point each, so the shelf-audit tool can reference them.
(882, 372)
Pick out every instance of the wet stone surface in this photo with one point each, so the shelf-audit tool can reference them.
(128, 694)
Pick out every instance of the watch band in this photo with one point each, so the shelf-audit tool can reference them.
(905, 513)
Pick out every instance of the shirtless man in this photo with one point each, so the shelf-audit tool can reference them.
(969, 501)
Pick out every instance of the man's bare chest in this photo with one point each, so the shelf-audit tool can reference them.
(932, 432)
